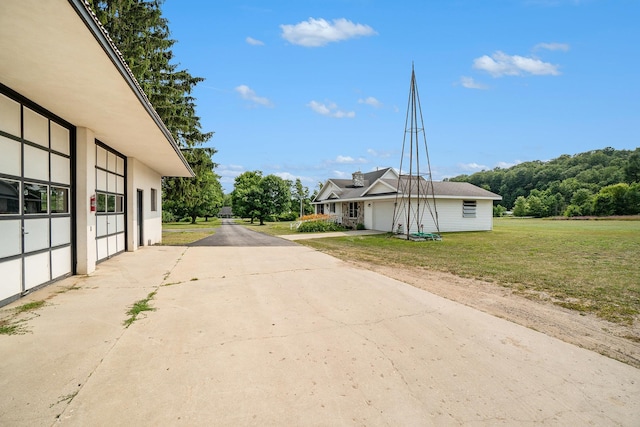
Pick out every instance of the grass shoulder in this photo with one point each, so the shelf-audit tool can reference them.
(588, 266)
(272, 228)
(183, 233)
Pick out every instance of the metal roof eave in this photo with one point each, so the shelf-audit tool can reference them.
(83, 10)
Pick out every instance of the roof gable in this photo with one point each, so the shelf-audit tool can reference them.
(380, 187)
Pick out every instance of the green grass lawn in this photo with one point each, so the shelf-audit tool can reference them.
(273, 228)
(183, 233)
(200, 223)
(589, 266)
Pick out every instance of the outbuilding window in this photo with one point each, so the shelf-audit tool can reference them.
(468, 208)
(154, 200)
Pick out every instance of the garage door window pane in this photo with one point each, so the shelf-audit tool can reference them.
(9, 197)
(59, 200)
(111, 203)
(119, 204)
(102, 202)
(36, 198)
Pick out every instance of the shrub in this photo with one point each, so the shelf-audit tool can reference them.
(360, 226)
(573, 210)
(290, 216)
(313, 217)
(319, 227)
(168, 216)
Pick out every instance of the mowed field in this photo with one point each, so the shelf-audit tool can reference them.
(589, 266)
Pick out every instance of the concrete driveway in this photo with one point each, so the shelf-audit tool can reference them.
(285, 335)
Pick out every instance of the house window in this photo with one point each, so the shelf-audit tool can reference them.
(332, 207)
(320, 209)
(353, 209)
(154, 200)
(468, 208)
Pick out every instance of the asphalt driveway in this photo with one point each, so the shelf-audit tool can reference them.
(285, 335)
(232, 234)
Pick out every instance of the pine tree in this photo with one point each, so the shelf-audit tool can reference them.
(142, 36)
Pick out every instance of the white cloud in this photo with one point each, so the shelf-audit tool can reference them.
(379, 154)
(472, 166)
(344, 159)
(500, 64)
(552, 46)
(348, 160)
(229, 171)
(228, 174)
(370, 101)
(507, 165)
(254, 42)
(340, 174)
(470, 83)
(319, 32)
(247, 93)
(291, 177)
(286, 176)
(330, 110)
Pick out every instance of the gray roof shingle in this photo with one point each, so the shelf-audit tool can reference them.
(440, 188)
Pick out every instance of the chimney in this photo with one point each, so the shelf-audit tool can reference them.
(358, 179)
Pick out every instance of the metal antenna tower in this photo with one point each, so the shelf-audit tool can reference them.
(415, 193)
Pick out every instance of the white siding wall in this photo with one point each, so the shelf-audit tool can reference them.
(140, 176)
(450, 216)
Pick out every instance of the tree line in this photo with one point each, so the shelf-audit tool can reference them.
(599, 182)
(142, 36)
(269, 197)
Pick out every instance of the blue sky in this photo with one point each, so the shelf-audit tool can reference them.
(317, 89)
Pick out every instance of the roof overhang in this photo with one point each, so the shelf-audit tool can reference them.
(55, 54)
(394, 196)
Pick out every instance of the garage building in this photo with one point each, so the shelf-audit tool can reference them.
(82, 151)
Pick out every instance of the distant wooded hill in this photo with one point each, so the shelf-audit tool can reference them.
(598, 182)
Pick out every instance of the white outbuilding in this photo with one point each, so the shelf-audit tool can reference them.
(371, 199)
(82, 151)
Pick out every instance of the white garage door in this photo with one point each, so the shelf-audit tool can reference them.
(382, 216)
(110, 199)
(35, 195)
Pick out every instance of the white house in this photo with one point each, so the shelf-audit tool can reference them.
(82, 151)
(371, 199)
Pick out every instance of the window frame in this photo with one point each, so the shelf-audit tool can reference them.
(154, 200)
